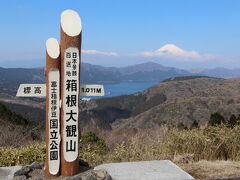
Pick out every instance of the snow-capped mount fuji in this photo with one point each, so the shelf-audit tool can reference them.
(171, 50)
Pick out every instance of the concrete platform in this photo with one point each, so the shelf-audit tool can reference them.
(6, 173)
(145, 170)
(142, 170)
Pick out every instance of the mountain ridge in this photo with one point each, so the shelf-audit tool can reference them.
(11, 78)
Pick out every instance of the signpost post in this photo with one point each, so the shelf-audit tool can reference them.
(71, 38)
(62, 91)
(52, 163)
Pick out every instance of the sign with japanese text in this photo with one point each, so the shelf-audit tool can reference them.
(70, 103)
(62, 91)
(85, 90)
(31, 90)
(54, 121)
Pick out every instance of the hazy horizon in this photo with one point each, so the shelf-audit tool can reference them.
(188, 69)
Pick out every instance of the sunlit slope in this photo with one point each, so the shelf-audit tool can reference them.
(176, 100)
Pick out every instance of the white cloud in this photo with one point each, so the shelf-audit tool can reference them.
(174, 52)
(99, 52)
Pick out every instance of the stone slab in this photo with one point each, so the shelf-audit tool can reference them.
(145, 170)
(6, 173)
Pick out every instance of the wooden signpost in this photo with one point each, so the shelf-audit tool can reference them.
(52, 163)
(62, 91)
(71, 37)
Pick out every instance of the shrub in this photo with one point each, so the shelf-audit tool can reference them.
(232, 122)
(181, 126)
(92, 148)
(36, 134)
(195, 124)
(97, 144)
(216, 119)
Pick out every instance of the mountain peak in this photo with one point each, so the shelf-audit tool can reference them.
(151, 64)
(170, 48)
(148, 66)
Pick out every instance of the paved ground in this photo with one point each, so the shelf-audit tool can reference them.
(150, 170)
(143, 170)
(6, 173)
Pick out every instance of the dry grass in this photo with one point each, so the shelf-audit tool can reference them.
(209, 143)
(24, 155)
(205, 153)
(212, 169)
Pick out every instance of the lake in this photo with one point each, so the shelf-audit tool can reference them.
(125, 88)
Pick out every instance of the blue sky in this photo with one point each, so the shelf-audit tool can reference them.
(180, 33)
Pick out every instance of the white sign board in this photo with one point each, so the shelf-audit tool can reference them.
(31, 90)
(54, 121)
(70, 103)
(91, 90)
(85, 90)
